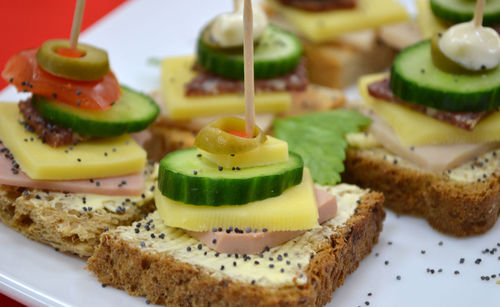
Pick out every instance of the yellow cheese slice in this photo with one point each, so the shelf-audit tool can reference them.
(295, 209)
(177, 72)
(270, 152)
(414, 128)
(83, 161)
(427, 22)
(325, 26)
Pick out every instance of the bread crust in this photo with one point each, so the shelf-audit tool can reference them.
(167, 281)
(451, 207)
(66, 230)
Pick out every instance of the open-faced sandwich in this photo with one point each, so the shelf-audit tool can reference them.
(69, 167)
(197, 89)
(242, 220)
(340, 38)
(432, 147)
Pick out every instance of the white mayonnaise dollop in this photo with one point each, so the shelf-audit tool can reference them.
(227, 29)
(473, 47)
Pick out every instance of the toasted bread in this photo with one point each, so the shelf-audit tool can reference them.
(170, 268)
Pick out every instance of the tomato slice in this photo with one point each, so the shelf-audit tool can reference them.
(23, 71)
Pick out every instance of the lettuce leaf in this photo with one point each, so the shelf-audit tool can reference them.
(320, 139)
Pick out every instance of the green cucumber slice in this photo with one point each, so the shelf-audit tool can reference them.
(456, 11)
(187, 177)
(276, 54)
(414, 78)
(132, 113)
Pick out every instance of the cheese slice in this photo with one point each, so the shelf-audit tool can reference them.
(427, 22)
(270, 152)
(326, 26)
(295, 209)
(414, 128)
(82, 161)
(177, 72)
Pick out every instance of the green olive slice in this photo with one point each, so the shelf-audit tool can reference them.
(444, 63)
(92, 65)
(216, 137)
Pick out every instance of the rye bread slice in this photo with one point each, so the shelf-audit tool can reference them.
(130, 258)
(450, 206)
(66, 221)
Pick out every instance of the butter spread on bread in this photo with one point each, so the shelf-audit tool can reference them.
(298, 251)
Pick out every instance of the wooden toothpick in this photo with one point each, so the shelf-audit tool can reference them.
(249, 73)
(479, 12)
(77, 23)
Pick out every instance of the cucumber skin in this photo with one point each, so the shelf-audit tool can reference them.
(444, 13)
(88, 127)
(232, 66)
(203, 191)
(411, 91)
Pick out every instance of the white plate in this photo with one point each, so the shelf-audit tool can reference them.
(37, 275)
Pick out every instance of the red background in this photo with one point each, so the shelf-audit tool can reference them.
(28, 23)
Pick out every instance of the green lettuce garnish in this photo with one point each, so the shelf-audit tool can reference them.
(320, 139)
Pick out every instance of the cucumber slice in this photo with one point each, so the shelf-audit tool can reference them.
(276, 54)
(186, 177)
(414, 78)
(456, 11)
(132, 113)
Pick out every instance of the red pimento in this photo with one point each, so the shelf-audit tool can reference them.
(22, 70)
(70, 52)
(241, 134)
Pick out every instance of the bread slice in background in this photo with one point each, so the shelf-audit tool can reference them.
(454, 207)
(65, 221)
(318, 261)
(339, 64)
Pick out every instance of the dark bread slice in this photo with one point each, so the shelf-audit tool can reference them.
(452, 207)
(123, 263)
(46, 217)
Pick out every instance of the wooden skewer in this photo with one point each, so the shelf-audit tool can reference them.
(479, 12)
(77, 23)
(249, 73)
